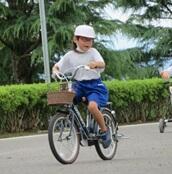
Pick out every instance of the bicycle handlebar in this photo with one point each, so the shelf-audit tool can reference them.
(67, 77)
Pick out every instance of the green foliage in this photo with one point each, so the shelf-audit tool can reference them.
(140, 25)
(20, 35)
(24, 107)
(5, 70)
(143, 100)
(20, 31)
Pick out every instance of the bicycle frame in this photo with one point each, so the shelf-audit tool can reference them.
(78, 120)
(82, 126)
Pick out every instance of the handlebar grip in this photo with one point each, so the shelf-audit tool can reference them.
(87, 67)
(68, 75)
(57, 76)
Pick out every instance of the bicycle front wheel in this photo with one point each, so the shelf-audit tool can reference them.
(63, 139)
(108, 153)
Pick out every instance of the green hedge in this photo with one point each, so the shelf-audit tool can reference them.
(140, 100)
(25, 107)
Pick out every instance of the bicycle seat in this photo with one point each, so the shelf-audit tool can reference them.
(109, 105)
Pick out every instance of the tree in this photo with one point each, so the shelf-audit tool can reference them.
(143, 25)
(20, 31)
(5, 70)
(20, 34)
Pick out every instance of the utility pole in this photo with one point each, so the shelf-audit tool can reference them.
(44, 41)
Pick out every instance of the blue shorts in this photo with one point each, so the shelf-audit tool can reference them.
(93, 90)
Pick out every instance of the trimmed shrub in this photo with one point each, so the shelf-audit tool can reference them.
(140, 100)
(24, 107)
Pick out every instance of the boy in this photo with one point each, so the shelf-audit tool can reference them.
(87, 83)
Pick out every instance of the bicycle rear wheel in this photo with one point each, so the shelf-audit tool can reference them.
(63, 139)
(108, 153)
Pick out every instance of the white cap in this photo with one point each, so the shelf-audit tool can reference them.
(85, 31)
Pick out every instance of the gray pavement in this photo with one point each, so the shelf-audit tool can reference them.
(144, 151)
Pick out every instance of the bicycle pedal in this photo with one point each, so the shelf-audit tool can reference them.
(84, 142)
(121, 136)
(91, 142)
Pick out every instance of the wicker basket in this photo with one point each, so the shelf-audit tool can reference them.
(63, 86)
(60, 97)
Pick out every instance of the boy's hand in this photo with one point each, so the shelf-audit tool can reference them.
(92, 65)
(55, 71)
(96, 64)
(165, 75)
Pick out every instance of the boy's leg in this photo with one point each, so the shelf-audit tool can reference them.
(94, 110)
(104, 131)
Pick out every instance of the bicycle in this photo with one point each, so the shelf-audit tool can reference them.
(68, 130)
(163, 121)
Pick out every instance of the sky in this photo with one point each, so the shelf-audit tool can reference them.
(122, 42)
(119, 14)
(119, 41)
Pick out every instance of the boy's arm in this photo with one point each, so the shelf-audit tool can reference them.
(96, 64)
(55, 69)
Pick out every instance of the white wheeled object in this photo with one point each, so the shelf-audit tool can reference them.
(163, 121)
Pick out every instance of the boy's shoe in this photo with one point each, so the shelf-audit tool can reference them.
(105, 138)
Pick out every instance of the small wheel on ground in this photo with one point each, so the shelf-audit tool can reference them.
(161, 125)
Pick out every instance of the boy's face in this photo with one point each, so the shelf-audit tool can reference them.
(85, 43)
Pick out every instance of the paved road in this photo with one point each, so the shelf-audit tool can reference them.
(145, 151)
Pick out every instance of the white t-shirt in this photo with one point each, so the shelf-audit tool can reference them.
(72, 59)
